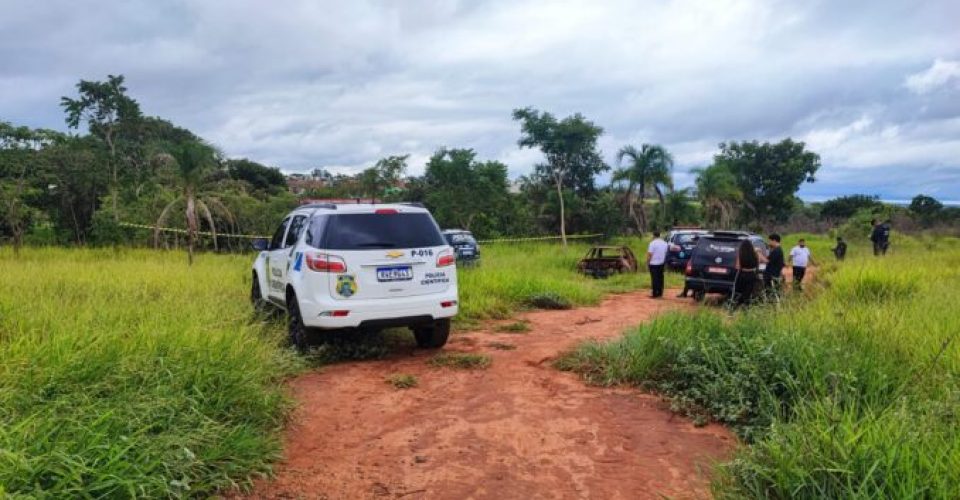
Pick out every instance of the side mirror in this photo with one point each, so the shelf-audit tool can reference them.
(260, 244)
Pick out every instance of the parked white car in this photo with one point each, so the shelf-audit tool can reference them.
(359, 267)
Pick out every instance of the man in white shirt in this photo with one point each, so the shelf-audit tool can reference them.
(656, 258)
(800, 258)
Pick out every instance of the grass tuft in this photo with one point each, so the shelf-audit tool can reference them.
(514, 327)
(402, 380)
(548, 301)
(459, 360)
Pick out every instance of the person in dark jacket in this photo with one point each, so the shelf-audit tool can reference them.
(876, 236)
(749, 261)
(775, 263)
(840, 251)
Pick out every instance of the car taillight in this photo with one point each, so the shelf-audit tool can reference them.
(448, 303)
(689, 270)
(674, 248)
(446, 258)
(323, 263)
(386, 211)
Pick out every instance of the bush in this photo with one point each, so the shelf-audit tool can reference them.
(851, 394)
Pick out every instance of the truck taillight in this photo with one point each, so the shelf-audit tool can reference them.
(689, 270)
(446, 258)
(323, 263)
(386, 211)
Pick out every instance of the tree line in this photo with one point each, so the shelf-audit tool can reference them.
(118, 167)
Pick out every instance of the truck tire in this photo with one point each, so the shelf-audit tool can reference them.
(256, 296)
(296, 331)
(432, 336)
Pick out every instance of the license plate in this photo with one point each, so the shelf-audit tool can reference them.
(398, 273)
(717, 270)
(466, 252)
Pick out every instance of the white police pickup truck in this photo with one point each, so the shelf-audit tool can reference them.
(363, 267)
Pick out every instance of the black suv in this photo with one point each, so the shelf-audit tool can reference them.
(464, 244)
(681, 244)
(713, 267)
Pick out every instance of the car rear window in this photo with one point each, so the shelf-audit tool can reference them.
(684, 238)
(462, 238)
(709, 249)
(374, 231)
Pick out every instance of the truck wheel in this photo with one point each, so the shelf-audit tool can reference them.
(295, 328)
(256, 297)
(432, 336)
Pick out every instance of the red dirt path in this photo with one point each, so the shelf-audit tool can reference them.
(518, 429)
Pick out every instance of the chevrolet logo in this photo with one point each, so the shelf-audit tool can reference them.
(393, 254)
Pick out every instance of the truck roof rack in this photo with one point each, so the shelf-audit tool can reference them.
(331, 206)
(413, 204)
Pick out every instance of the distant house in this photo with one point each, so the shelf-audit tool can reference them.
(302, 183)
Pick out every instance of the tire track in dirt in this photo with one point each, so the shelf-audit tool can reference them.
(518, 429)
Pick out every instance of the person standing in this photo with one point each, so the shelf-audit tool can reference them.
(656, 258)
(840, 251)
(800, 258)
(885, 229)
(774, 270)
(876, 236)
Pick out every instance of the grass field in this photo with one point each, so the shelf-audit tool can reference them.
(853, 393)
(126, 373)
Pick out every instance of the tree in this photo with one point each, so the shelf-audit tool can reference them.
(570, 148)
(843, 207)
(107, 110)
(260, 177)
(463, 192)
(719, 194)
(646, 167)
(193, 162)
(378, 180)
(926, 208)
(20, 166)
(769, 175)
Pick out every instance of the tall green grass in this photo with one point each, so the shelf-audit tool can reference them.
(853, 393)
(511, 275)
(128, 374)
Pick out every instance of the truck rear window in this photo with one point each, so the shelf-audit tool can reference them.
(709, 249)
(374, 231)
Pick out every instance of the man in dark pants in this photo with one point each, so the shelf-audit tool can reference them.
(774, 262)
(656, 258)
(840, 251)
(800, 257)
(876, 236)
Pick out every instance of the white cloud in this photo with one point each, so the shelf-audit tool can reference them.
(938, 75)
(304, 83)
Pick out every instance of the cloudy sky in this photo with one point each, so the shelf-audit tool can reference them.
(873, 86)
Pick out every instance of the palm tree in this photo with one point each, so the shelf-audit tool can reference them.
(719, 194)
(193, 161)
(647, 167)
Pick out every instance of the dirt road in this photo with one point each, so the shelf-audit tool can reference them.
(518, 429)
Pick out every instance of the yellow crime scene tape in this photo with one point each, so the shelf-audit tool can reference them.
(254, 236)
(184, 231)
(541, 238)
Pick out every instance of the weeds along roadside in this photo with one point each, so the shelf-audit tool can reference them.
(125, 374)
(853, 392)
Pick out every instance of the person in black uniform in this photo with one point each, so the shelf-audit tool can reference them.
(748, 260)
(876, 236)
(775, 262)
(840, 251)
